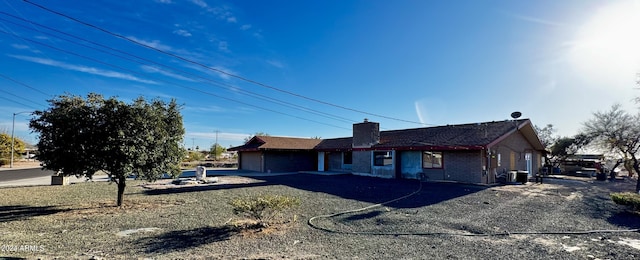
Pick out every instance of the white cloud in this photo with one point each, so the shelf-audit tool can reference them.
(25, 47)
(535, 20)
(152, 69)
(20, 46)
(221, 136)
(206, 109)
(200, 3)
(232, 19)
(182, 32)
(245, 27)
(214, 70)
(419, 109)
(154, 44)
(166, 48)
(223, 46)
(223, 75)
(434, 111)
(164, 1)
(276, 63)
(85, 69)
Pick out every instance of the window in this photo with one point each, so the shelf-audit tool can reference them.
(432, 160)
(382, 158)
(347, 158)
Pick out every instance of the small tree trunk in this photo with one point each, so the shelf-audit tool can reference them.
(612, 172)
(636, 167)
(638, 184)
(121, 185)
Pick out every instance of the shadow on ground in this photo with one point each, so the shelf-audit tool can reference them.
(377, 190)
(180, 240)
(22, 212)
(625, 218)
(199, 188)
(360, 188)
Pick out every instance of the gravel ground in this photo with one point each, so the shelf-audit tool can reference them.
(555, 206)
(441, 221)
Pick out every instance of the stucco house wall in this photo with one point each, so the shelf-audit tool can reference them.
(512, 151)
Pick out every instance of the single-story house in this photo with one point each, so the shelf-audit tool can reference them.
(277, 154)
(474, 153)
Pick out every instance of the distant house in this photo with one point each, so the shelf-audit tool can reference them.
(473, 153)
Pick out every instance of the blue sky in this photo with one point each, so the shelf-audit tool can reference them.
(310, 68)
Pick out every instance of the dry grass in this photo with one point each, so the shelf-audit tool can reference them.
(23, 164)
(81, 220)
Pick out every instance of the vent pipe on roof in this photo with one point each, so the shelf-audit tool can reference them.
(515, 115)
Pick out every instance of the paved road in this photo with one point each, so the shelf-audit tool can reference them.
(19, 174)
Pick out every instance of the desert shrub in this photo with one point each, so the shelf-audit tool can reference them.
(263, 208)
(627, 199)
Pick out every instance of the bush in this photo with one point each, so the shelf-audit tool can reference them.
(263, 208)
(627, 199)
(4, 161)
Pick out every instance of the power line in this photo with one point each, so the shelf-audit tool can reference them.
(203, 79)
(23, 84)
(11, 94)
(19, 103)
(214, 69)
(14, 95)
(175, 84)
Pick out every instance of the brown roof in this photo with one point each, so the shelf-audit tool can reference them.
(449, 137)
(465, 135)
(277, 143)
(335, 144)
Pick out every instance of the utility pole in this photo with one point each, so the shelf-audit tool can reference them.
(13, 127)
(215, 148)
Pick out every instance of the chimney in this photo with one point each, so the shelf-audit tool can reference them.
(366, 134)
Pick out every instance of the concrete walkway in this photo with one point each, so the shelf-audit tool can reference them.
(46, 180)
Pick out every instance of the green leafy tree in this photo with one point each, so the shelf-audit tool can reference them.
(5, 147)
(564, 147)
(217, 150)
(194, 156)
(81, 136)
(617, 131)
